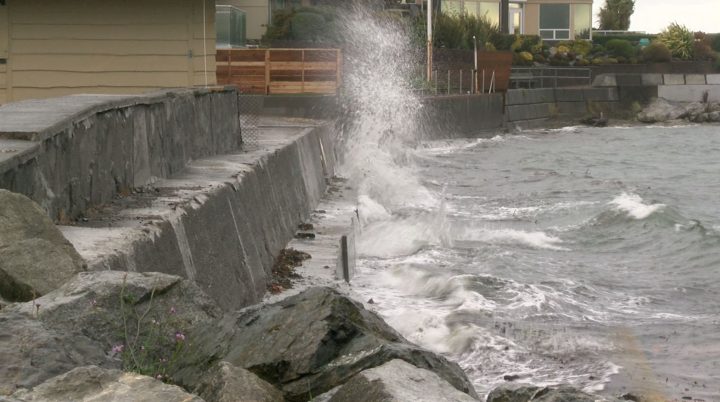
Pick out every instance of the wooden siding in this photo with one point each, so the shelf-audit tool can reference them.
(60, 47)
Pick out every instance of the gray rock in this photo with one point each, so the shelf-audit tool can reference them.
(32, 353)
(93, 383)
(527, 393)
(660, 110)
(90, 305)
(35, 258)
(398, 381)
(307, 344)
(226, 382)
(714, 117)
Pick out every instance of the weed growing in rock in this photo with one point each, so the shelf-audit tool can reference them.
(153, 340)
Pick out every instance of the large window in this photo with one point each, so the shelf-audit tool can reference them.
(582, 21)
(487, 9)
(555, 21)
(452, 7)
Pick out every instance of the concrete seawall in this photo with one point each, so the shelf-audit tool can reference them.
(221, 222)
(533, 107)
(159, 183)
(673, 87)
(458, 116)
(71, 153)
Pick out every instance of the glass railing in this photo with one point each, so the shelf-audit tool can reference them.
(230, 25)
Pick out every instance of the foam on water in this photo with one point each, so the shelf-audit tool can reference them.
(633, 205)
(513, 236)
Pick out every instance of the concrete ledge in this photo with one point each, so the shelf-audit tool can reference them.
(695, 79)
(674, 79)
(86, 149)
(713, 79)
(689, 93)
(629, 80)
(652, 79)
(219, 223)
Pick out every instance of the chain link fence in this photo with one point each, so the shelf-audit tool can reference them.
(250, 108)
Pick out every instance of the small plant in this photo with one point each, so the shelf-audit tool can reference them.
(152, 340)
(581, 47)
(679, 40)
(702, 48)
(656, 52)
(620, 48)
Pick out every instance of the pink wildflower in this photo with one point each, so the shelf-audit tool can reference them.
(117, 349)
(179, 337)
(172, 310)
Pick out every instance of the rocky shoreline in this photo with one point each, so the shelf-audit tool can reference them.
(129, 336)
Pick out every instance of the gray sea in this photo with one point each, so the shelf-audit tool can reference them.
(581, 255)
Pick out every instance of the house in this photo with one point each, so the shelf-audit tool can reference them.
(58, 47)
(551, 19)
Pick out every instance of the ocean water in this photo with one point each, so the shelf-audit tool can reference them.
(582, 256)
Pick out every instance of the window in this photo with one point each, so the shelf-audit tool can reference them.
(487, 9)
(555, 21)
(452, 7)
(582, 20)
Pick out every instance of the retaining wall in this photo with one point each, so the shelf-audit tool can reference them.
(532, 107)
(462, 115)
(71, 153)
(673, 87)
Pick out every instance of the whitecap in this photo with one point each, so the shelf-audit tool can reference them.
(503, 236)
(634, 206)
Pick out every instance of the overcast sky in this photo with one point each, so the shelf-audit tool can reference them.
(654, 15)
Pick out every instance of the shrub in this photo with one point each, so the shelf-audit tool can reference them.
(679, 40)
(597, 49)
(702, 48)
(620, 48)
(716, 42)
(309, 26)
(523, 58)
(581, 47)
(454, 31)
(656, 52)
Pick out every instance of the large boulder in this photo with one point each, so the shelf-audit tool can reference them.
(100, 305)
(660, 110)
(93, 383)
(528, 393)
(398, 381)
(225, 383)
(307, 344)
(35, 258)
(31, 353)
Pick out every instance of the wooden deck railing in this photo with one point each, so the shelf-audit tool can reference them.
(280, 71)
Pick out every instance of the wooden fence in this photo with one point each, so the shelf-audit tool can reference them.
(280, 71)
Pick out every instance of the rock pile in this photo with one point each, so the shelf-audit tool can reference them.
(661, 110)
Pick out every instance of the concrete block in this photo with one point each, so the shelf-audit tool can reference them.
(713, 79)
(569, 95)
(530, 112)
(572, 108)
(689, 93)
(652, 79)
(605, 80)
(529, 96)
(601, 94)
(629, 80)
(695, 79)
(673, 79)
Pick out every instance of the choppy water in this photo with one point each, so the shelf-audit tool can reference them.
(582, 256)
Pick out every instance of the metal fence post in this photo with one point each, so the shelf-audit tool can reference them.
(461, 82)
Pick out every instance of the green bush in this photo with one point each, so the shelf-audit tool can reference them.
(454, 31)
(656, 52)
(633, 39)
(581, 47)
(679, 40)
(620, 48)
(702, 48)
(502, 41)
(308, 26)
(715, 42)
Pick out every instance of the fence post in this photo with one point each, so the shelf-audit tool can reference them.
(338, 66)
(461, 82)
(436, 82)
(267, 72)
(302, 71)
(448, 80)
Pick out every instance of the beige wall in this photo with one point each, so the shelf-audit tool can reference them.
(256, 14)
(532, 14)
(59, 47)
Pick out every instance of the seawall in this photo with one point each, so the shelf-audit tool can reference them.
(673, 87)
(194, 205)
(530, 108)
(71, 153)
